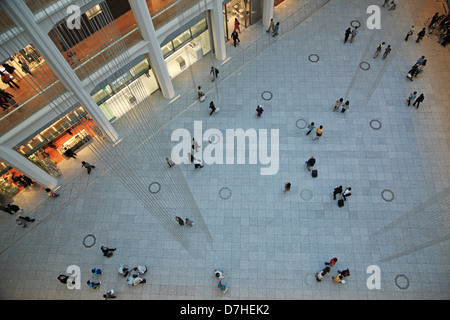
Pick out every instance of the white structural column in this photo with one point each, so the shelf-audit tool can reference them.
(218, 30)
(27, 168)
(159, 66)
(22, 16)
(267, 12)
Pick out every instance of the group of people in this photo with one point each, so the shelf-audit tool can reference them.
(15, 209)
(274, 27)
(439, 25)
(344, 193)
(339, 277)
(380, 49)
(318, 133)
(417, 68)
(339, 103)
(180, 221)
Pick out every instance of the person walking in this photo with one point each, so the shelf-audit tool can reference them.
(271, 26)
(170, 162)
(237, 25)
(201, 95)
(345, 273)
(394, 5)
(387, 51)
(345, 106)
(311, 127)
(189, 222)
(22, 221)
(259, 111)
(287, 187)
(88, 166)
(276, 29)
(310, 163)
(419, 100)
(107, 252)
(96, 271)
(323, 273)
(339, 278)
(336, 191)
(332, 262)
(212, 107)
(420, 35)
(94, 285)
(222, 287)
(109, 295)
(354, 34)
(319, 132)
(411, 97)
(195, 145)
(348, 32)
(337, 104)
(198, 163)
(69, 153)
(180, 221)
(7, 79)
(235, 37)
(64, 278)
(410, 33)
(214, 72)
(386, 3)
(123, 270)
(378, 50)
(347, 193)
(51, 193)
(218, 273)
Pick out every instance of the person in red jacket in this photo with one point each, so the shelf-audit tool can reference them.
(332, 262)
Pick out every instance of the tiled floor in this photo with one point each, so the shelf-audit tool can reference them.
(269, 243)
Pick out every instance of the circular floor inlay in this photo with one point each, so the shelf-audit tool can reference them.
(313, 57)
(90, 242)
(266, 95)
(375, 124)
(355, 23)
(225, 193)
(387, 195)
(306, 194)
(364, 65)
(154, 187)
(402, 282)
(214, 138)
(302, 123)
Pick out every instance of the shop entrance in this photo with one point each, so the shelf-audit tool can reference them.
(235, 9)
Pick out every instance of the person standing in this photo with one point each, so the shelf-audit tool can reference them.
(235, 37)
(271, 26)
(348, 32)
(354, 34)
(338, 104)
(387, 51)
(310, 163)
(411, 97)
(419, 100)
(336, 191)
(420, 35)
(276, 29)
(345, 106)
(434, 19)
(311, 127)
(410, 33)
(88, 166)
(319, 132)
(379, 49)
(123, 270)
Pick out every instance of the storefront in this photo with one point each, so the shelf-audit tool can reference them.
(247, 12)
(47, 148)
(111, 95)
(186, 46)
(11, 182)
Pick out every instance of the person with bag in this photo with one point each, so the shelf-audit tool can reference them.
(201, 95)
(214, 72)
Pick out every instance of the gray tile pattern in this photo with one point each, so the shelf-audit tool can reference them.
(270, 243)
